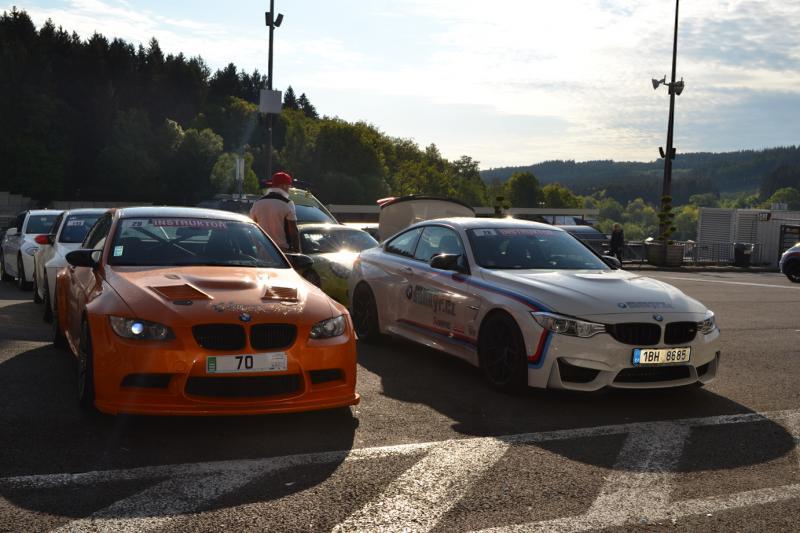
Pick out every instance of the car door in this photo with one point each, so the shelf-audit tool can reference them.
(46, 252)
(12, 245)
(85, 282)
(397, 264)
(442, 304)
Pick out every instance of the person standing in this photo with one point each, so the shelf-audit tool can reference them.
(617, 242)
(276, 214)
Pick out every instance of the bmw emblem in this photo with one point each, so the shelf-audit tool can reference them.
(245, 317)
(622, 305)
(658, 318)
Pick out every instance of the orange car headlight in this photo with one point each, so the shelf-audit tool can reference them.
(325, 329)
(134, 328)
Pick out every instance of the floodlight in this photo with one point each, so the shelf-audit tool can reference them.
(656, 83)
(679, 85)
(278, 20)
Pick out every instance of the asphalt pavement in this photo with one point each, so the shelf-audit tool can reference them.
(430, 448)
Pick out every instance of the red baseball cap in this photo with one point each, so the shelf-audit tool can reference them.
(281, 178)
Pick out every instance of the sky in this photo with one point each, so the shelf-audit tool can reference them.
(507, 82)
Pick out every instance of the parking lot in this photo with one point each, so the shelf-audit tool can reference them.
(430, 448)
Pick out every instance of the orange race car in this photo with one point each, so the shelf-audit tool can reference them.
(188, 311)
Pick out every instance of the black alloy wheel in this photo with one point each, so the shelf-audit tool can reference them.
(501, 352)
(5, 276)
(85, 368)
(365, 314)
(793, 272)
(21, 283)
(48, 306)
(36, 298)
(59, 340)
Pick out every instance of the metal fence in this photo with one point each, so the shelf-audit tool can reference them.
(699, 253)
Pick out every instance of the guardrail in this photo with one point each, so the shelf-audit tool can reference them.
(698, 253)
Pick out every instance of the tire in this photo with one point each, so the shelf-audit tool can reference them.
(793, 271)
(365, 314)
(36, 298)
(4, 276)
(21, 283)
(312, 276)
(59, 340)
(47, 316)
(501, 353)
(85, 370)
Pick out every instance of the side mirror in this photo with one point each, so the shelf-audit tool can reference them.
(11, 231)
(452, 262)
(84, 258)
(612, 261)
(300, 262)
(44, 239)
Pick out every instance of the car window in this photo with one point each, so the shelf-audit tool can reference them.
(193, 241)
(311, 215)
(19, 222)
(335, 239)
(530, 248)
(405, 243)
(76, 227)
(57, 223)
(96, 238)
(437, 240)
(40, 224)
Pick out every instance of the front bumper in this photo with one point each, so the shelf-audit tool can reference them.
(169, 378)
(601, 361)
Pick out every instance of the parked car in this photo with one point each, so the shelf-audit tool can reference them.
(67, 234)
(790, 263)
(334, 248)
(193, 311)
(369, 227)
(531, 306)
(19, 245)
(309, 209)
(590, 235)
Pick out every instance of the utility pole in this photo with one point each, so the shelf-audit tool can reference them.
(666, 189)
(272, 107)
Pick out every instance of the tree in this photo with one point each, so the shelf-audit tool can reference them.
(522, 190)
(704, 200)
(558, 196)
(290, 99)
(306, 107)
(470, 187)
(787, 195)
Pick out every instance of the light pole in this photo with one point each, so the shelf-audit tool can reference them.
(273, 22)
(675, 88)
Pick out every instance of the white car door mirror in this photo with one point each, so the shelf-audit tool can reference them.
(11, 232)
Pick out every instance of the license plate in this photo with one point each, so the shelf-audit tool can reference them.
(234, 364)
(661, 356)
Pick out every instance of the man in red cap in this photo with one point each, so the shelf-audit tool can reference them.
(276, 215)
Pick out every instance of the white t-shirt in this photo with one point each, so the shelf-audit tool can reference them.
(270, 214)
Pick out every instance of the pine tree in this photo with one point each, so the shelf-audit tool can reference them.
(306, 107)
(290, 99)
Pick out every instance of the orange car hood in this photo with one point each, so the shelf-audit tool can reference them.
(191, 295)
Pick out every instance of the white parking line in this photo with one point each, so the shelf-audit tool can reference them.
(418, 499)
(704, 280)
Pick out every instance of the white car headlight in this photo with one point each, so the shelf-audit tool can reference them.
(708, 324)
(565, 325)
(325, 329)
(133, 328)
(30, 250)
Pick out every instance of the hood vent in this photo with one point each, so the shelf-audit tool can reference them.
(181, 293)
(285, 294)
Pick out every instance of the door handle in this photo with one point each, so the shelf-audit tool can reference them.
(408, 270)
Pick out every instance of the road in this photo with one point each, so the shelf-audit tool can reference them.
(430, 447)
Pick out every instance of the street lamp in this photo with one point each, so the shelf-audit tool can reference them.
(675, 88)
(273, 21)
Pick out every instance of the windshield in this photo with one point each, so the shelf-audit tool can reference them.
(192, 241)
(76, 227)
(307, 214)
(531, 248)
(335, 239)
(40, 224)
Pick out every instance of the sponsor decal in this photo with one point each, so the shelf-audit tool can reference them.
(523, 231)
(484, 233)
(644, 305)
(198, 223)
(444, 324)
(250, 310)
(433, 299)
(118, 251)
(74, 222)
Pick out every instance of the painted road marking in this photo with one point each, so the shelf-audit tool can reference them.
(703, 280)
(420, 497)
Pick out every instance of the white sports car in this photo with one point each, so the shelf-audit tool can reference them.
(530, 305)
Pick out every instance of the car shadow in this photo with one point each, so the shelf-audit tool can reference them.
(44, 432)
(456, 389)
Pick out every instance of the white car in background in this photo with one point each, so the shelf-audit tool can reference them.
(19, 245)
(531, 306)
(789, 264)
(68, 232)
